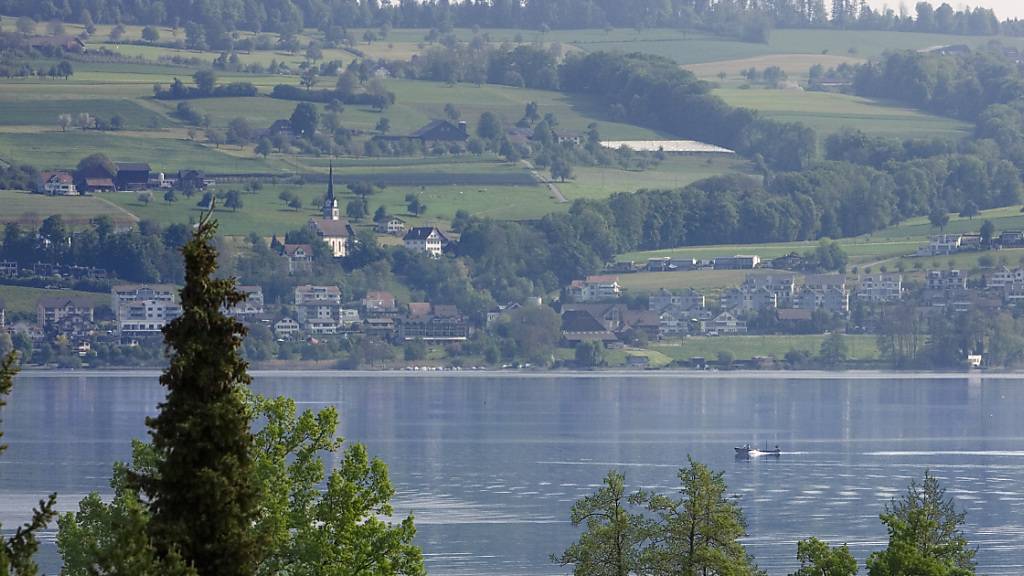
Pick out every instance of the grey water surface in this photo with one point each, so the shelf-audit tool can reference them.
(490, 464)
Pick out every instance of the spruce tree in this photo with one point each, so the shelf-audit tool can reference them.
(203, 494)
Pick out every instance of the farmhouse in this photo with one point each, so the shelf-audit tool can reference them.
(426, 239)
(132, 176)
(65, 42)
(58, 183)
(442, 131)
(300, 257)
(393, 225)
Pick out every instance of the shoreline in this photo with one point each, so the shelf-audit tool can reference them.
(562, 374)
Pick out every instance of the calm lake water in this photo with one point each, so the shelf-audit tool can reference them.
(490, 464)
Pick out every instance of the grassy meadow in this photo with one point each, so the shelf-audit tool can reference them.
(31, 209)
(22, 299)
(829, 112)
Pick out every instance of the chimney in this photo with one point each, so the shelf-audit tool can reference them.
(463, 128)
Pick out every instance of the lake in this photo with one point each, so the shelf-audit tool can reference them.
(491, 463)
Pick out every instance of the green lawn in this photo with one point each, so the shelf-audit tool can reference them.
(861, 249)
(64, 150)
(860, 347)
(265, 214)
(31, 209)
(22, 300)
(828, 112)
(675, 172)
(695, 47)
(23, 112)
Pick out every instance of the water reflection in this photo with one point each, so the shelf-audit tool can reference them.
(490, 466)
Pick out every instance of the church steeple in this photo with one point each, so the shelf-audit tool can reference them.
(331, 210)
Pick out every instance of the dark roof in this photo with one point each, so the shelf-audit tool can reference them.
(581, 321)
(132, 167)
(440, 130)
(422, 232)
(290, 249)
(333, 228)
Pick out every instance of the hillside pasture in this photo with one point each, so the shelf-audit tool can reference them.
(688, 47)
(796, 66)
(64, 150)
(596, 182)
(829, 112)
(22, 300)
(31, 209)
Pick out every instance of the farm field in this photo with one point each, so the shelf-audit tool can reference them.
(22, 299)
(595, 182)
(796, 66)
(264, 213)
(31, 209)
(687, 47)
(860, 347)
(64, 150)
(859, 250)
(828, 113)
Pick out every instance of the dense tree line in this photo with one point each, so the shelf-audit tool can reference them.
(746, 19)
(654, 91)
(143, 253)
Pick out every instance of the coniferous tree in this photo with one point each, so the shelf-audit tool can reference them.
(925, 535)
(203, 494)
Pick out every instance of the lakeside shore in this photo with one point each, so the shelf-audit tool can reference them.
(567, 374)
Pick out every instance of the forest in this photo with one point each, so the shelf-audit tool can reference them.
(748, 20)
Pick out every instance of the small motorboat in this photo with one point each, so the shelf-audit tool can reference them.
(747, 450)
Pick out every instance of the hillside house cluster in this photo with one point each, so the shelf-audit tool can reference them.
(125, 177)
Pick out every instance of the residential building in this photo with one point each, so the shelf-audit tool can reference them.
(62, 42)
(944, 280)
(824, 292)
(426, 239)
(69, 316)
(833, 299)
(941, 245)
(392, 225)
(286, 328)
(443, 323)
(970, 242)
(8, 268)
(738, 262)
(568, 137)
(595, 289)
(58, 183)
(781, 284)
(748, 299)
(1004, 277)
(383, 328)
(688, 299)
(723, 324)
(376, 304)
(317, 307)
(142, 310)
(249, 308)
(880, 288)
(1011, 238)
(663, 264)
(300, 258)
(673, 323)
(331, 228)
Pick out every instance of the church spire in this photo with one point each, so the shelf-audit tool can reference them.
(331, 210)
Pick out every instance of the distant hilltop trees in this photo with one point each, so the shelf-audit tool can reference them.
(210, 23)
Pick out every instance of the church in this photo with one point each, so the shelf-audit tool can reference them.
(334, 231)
